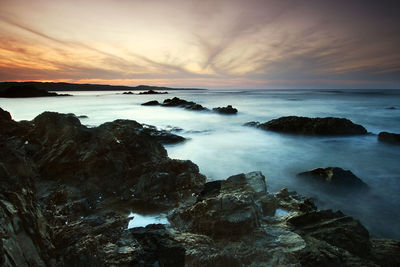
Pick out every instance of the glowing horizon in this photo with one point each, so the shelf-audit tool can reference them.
(208, 44)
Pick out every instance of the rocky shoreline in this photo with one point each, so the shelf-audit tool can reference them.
(66, 191)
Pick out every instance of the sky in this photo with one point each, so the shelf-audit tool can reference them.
(203, 44)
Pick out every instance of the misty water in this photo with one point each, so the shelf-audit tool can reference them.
(221, 146)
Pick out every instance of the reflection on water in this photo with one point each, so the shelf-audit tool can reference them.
(221, 146)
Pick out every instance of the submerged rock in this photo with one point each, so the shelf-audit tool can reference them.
(311, 126)
(386, 137)
(226, 110)
(334, 176)
(17, 91)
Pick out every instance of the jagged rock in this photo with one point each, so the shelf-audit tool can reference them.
(392, 138)
(152, 92)
(177, 102)
(16, 91)
(151, 103)
(230, 207)
(226, 110)
(311, 126)
(334, 176)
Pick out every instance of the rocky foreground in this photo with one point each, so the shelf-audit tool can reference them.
(66, 191)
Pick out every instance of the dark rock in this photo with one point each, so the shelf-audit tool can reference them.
(231, 207)
(151, 103)
(127, 93)
(312, 126)
(162, 136)
(226, 110)
(4, 115)
(386, 252)
(392, 108)
(334, 176)
(82, 117)
(159, 247)
(16, 91)
(386, 137)
(152, 92)
(334, 228)
(177, 102)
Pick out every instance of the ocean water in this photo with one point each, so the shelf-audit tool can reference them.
(222, 147)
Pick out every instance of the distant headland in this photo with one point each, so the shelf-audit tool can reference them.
(51, 86)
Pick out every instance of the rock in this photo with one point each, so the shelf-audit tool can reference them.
(386, 252)
(392, 108)
(334, 228)
(152, 92)
(334, 176)
(66, 191)
(391, 138)
(229, 207)
(16, 91)
(226, 110)
(4, 115)
(163, 136)
(82, 117)
(127, 93)
(159, 247)
(311, 126)
(177, 102)
(151, 103)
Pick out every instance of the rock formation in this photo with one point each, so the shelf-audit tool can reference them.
(66, 190)
(334, 176)
(389, 137)
(152, 92)
(226, 110)
(311, 126)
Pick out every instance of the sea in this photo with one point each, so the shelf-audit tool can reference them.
(221, 146)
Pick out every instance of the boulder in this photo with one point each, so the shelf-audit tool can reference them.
(311, 126)
(334, 176)
(177, 102)
(231, 207)
(151, 103)
(226, 110)
(391, 138)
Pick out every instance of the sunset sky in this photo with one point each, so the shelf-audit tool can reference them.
(209, 44)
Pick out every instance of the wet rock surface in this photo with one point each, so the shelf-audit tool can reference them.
(66, 190)
(391, 138)
(311, 126)
(334, 177)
